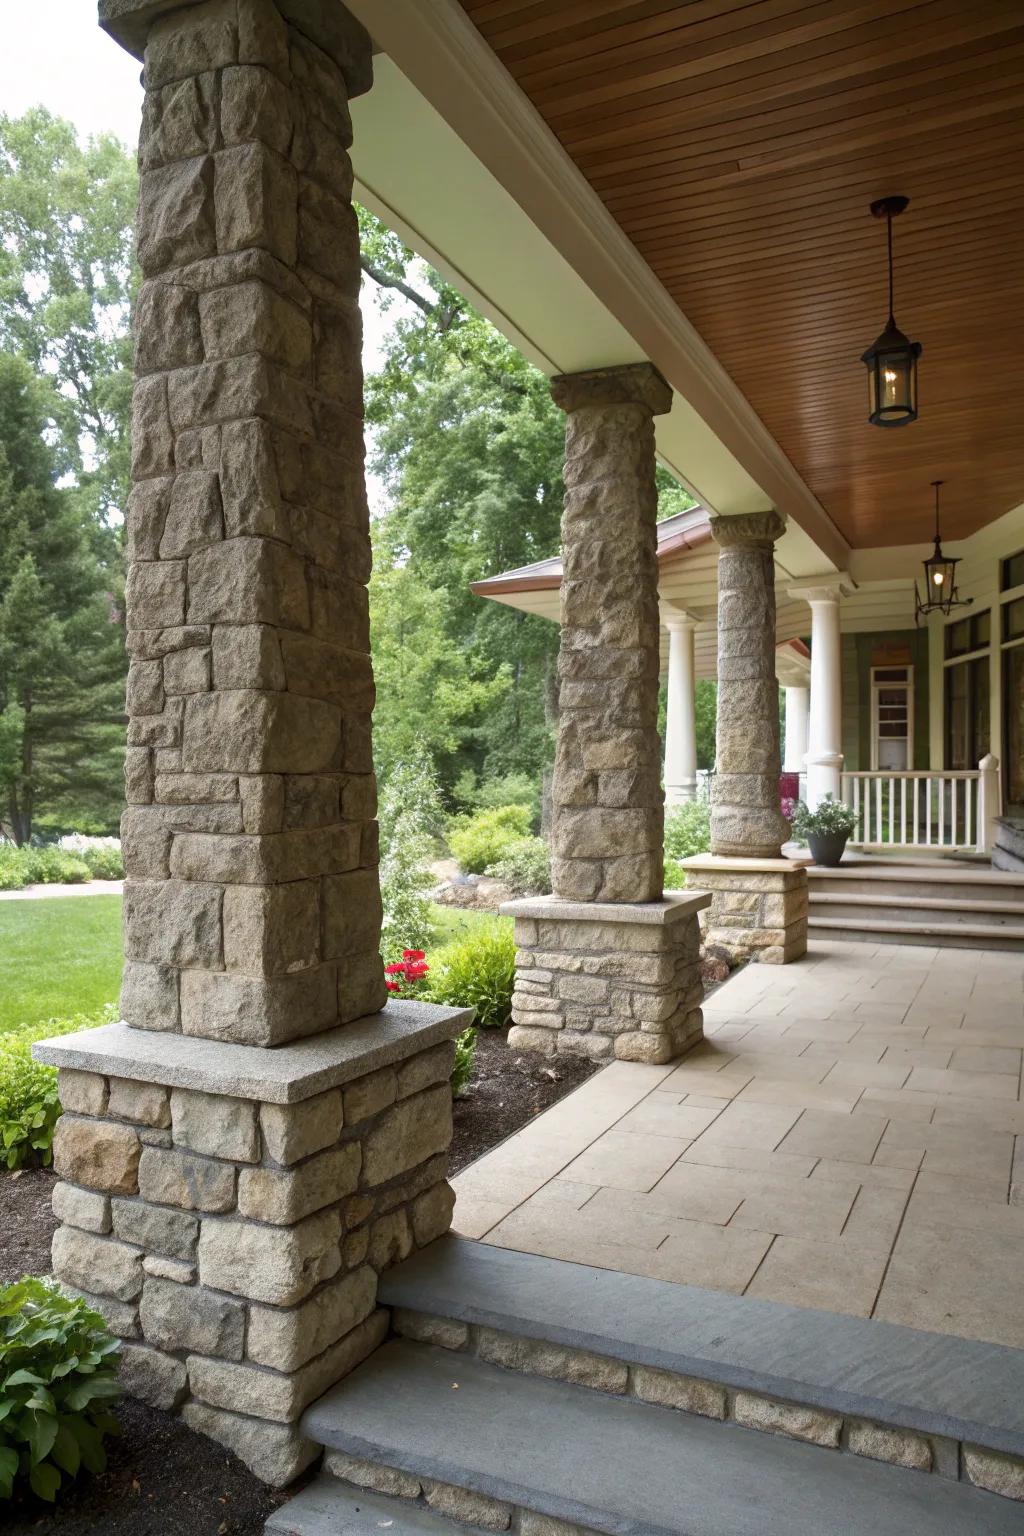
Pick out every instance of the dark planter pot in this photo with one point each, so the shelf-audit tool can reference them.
(827, 847)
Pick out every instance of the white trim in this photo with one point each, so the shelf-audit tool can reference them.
(440, 51)
(908, 686)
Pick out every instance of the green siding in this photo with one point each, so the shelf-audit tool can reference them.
(856, 670)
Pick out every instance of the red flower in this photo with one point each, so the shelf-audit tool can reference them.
(413, 954)
(395, 969)
(392, 986)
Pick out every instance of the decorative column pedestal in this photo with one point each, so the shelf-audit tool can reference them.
(261, 1135)
(608, 980)
(759, 899)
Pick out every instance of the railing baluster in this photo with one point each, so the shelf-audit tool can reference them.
(942, 814)
(969, 813)
(878, 810)
(892, 809)
(917, 812)
(953, 810)
(903, 812)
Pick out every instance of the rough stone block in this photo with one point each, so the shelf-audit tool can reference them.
(669, 1390)
(176, 215)
(539, 1358)
(149, 996)
(81, 1208)
(285, 1196)
(256, 201)
(390, 1240)
(179, 121)
(191, 41)
(262, 797)
(100, 1263)
(422, 1071)
(194, 515)
(152, 440)
(250, 490)
(98, 1155)
(272, 930)
(367, 1096)
(277, 1453)
(407, 1134)
(193, 1183)
(884, 1442)
(154, 1378)
(468, 1507)
(989, 1469)
(252, 317)
(258, 1010)
(155, 593)
(246, 581)
(145, 516)
(154, 1229)
(188, 672)
(83, 1093)
(216, 1125)
(372, 1476)
(166, 328)
(255, 107)
(294, 1131)
(163, 1268)
(268, 1264)
(247, 732)
(796, 1420)
(352, 913)
(177, 1317)
(247, 656)
(432, 1213)
(143, 1103)
(287, 1339)
(174, 922)
(443, 1332)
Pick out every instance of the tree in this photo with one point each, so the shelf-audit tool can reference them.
(67, 280)
(61, 711)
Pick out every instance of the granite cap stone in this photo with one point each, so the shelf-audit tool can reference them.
(554, 909)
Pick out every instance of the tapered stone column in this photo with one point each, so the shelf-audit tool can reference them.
(228, 1206)
(605, 966)
(680, 714)
(760, 898)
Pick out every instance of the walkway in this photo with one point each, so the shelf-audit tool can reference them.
(844, 1139)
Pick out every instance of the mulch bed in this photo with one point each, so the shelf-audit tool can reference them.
(162, 1479)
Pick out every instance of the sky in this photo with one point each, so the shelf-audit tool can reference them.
(53, 54)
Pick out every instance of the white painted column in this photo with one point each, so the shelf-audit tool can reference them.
(825, 726)
(797, 723)
(681, 720)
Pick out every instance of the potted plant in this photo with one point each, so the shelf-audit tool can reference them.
(825, 830)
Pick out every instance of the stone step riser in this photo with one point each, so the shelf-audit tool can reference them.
(972, 895)
(865, 910)
(862, 932)
(895, 1444)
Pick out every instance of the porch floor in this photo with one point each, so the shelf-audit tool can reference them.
(843, 1139)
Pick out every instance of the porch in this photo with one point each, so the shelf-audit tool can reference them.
(843, 1140)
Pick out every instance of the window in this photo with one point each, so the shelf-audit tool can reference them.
(1011, 572)
(968, 635)
(967, 714)
(892, 718)
(1013, 619)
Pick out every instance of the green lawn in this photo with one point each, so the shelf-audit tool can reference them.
(58, 956)
(61, 956)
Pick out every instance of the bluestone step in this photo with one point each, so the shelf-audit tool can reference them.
(869, 930)
(330, 1508)
(622, 1467)
(964, 1389)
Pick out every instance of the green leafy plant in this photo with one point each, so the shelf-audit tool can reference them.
(525, 867)
(55, 866)
(29, 1104)
(477, 972)
(58, 1379)
(13, 871)
(410, 811)
(688, 829)
(103, 860)
(482, 839)
(831, 817)
(465, 1052)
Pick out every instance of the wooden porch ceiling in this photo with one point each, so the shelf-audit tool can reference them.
(739, 146)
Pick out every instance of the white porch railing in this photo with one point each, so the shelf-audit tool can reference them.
(925, 810)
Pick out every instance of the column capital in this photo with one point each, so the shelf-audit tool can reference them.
(754, 529)
(825, 589)
(629, 384)
(679, 618)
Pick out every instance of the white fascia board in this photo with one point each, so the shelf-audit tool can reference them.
(450, 152)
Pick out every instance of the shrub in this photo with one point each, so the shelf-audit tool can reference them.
(58, 1378)
(688, 829)
(29, 1106)
(675, 875)
(525, 867)
(104, 863)
(54, 866)
(496, 791)
(13, 873)
(477, 972)
(465, 1052)
(409, 812)
(480, 840)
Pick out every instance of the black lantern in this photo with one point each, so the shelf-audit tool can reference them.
(892, 361)
(939, 577)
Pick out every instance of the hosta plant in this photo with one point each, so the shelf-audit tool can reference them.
(58, 1379)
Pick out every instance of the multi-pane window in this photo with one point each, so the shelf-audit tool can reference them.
(892, 716)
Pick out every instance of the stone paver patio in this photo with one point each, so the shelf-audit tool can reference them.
(844, 1139)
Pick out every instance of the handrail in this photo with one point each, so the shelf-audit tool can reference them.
(916, 773)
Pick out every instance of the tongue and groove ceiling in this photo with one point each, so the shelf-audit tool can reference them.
(739, 146)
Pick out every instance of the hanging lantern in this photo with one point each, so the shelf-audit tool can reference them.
(892, 361)
(940, 595)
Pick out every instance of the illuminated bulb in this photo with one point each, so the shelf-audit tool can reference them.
(938, 577)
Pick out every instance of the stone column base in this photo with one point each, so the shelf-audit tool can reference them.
(758, 907)
(608, 979)
(228, 1208)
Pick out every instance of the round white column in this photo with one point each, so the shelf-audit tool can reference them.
(797, 721)
(825, 733)
(681, 721)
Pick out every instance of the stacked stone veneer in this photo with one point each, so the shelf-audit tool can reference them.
(758, 906)
(252, 911)
(235, 1245)
(607, 803)
(606, 981)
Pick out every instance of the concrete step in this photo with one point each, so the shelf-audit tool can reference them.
(941, 910)
(614, 1465)
(965, 887)
(955, 1390)
(328, 1507)
(867, 930)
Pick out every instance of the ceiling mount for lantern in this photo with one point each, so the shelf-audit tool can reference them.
(892, 361)
(939, 577)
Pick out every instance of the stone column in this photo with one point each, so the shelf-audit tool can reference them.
(607, 809)
(825, 735)
(797, 702)
(760, 899)
(680, 719)
(228, 1206)
(605, 966)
